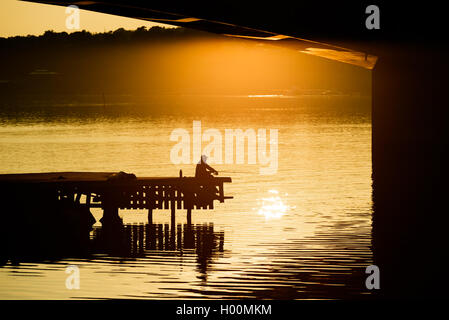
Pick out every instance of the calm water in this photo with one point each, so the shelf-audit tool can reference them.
(304, 232)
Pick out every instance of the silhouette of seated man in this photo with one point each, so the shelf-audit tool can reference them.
(203, 170)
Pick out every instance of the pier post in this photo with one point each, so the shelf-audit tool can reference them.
(150, 216)
(173, 214)
(189, 216)
(111, 221)
(110, 214)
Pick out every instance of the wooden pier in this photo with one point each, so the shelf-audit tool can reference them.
(113, 191)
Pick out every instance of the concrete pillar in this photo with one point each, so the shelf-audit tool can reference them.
(410, 104)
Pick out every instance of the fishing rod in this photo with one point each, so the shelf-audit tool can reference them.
(228, 171)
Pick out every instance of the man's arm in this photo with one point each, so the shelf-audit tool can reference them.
(210, 168)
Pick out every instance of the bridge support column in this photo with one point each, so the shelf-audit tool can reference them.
(409, 157)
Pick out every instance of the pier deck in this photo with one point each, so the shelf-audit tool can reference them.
(112, 191)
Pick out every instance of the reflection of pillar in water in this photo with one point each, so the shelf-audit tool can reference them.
(167, 236)
(221, 242)
(199, 238)
(205, 243)
(127, 240)
(179, 236)
(172, 237)
(189, 237)
(134, 239)
(141, 247)
(150, 239)
(202, 250)
(160, 239)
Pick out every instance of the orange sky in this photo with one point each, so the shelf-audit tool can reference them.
(23, 18)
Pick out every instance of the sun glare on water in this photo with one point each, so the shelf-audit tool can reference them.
(272, 207)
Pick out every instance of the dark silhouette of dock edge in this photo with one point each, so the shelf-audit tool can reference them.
(113, 191)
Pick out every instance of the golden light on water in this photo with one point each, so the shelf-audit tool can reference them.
(265, 96)
(273, 207)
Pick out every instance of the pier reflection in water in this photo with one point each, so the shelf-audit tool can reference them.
(140, 240)
(119, 243)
